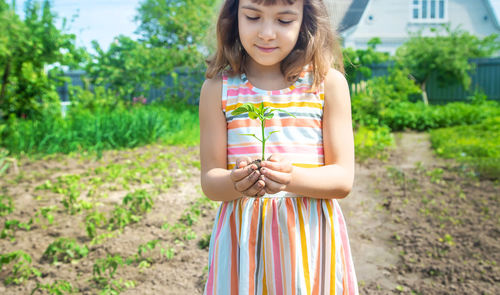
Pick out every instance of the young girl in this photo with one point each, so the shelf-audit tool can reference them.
(279, 229)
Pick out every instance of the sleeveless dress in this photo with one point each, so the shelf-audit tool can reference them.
(281, 243)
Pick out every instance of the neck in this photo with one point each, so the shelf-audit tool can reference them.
(256, 70)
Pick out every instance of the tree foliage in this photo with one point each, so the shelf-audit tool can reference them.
(358, 62)
(27, 48)
(178, 24)
(447, 53)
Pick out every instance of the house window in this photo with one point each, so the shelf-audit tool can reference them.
(428, 10)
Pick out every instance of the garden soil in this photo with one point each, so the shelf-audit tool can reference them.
(417, 224)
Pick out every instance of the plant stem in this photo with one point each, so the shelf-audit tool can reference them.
(263, 124)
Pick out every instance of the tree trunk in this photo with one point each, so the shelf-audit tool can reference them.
(424, 93)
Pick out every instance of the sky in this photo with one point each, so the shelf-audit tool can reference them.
(99, 20)
(102, 20)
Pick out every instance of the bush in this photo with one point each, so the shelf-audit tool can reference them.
(380, 94)
(418, 116)
(475, 145)
(371, 142)
(95, 131)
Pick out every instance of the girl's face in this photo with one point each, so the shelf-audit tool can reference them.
(269, 33)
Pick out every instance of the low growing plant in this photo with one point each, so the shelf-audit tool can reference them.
(262, 113)
(59, 287)
(65, 250)
(21, 270)
(139, 202)
(6, 205)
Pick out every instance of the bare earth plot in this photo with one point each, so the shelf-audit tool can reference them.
(416, 224)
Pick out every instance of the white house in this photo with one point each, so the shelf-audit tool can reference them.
(392, 20)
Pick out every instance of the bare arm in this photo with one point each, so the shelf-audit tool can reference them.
(335, 179)
(218, 183)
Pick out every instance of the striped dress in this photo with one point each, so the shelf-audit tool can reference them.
(281, 243)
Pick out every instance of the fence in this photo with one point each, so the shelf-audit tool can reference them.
(485, 77)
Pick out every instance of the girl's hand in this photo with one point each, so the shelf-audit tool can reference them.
(277, 173)
(246, 178)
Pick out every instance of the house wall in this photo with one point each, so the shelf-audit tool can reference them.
(390, 20)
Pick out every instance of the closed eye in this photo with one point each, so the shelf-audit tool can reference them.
(285, 22)
(252, 18)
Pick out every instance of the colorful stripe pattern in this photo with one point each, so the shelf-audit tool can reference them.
(282, 243)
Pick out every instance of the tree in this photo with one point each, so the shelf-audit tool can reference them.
(446, 54)
(27, 49)
(130, 68)
(177, 24)
(359, 61)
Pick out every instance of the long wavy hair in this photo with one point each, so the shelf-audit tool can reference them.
(317, 44)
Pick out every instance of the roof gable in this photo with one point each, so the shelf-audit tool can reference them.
(353, 14)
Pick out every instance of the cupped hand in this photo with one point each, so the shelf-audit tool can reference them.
(246, 178)
(277, 173)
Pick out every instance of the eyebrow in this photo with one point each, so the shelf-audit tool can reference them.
(281, 12)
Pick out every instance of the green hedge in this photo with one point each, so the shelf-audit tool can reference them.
(102, 130)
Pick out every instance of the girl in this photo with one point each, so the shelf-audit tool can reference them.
(279, 229)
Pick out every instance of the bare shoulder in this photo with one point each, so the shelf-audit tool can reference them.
(211, 92)
(335, 79)
(336, 87)
(212, 86)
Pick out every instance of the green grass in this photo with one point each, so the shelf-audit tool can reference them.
(371, 142)
(83, 130)
(476, 145)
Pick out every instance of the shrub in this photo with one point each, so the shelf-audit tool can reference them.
(475, 145)
(371, 142)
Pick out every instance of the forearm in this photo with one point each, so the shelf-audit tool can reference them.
(326, 182)
(218, 186)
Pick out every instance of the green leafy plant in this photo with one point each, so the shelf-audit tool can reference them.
(262, 113)
(59, 287)
(44, 212)
(11, 226)
(65, 250)
(103, 272)
(121, 217)
(6, 205)
(139, 202)
(21, 269)
(93, 221)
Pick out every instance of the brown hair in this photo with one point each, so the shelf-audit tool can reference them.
(317, 44)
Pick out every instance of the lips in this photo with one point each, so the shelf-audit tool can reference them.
(266, 49)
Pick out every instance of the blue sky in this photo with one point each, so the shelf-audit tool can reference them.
(99, 20)
(102, 20)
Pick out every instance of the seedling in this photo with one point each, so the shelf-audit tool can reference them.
(93, 221)
(59, 287)
(65, 250)
(21, 270)
(262, 113)
(139, 202)
(6, 205)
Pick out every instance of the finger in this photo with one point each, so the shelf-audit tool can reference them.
(256, 188)
(242, 161)
(275, 157)
(239, 174)
(283, 166)
(272, 187)
(276, 176)
(247, 182)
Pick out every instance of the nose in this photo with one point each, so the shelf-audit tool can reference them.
(267, 31)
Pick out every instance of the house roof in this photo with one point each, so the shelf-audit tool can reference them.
(353, 14)
(494, 6)
(355, 11)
